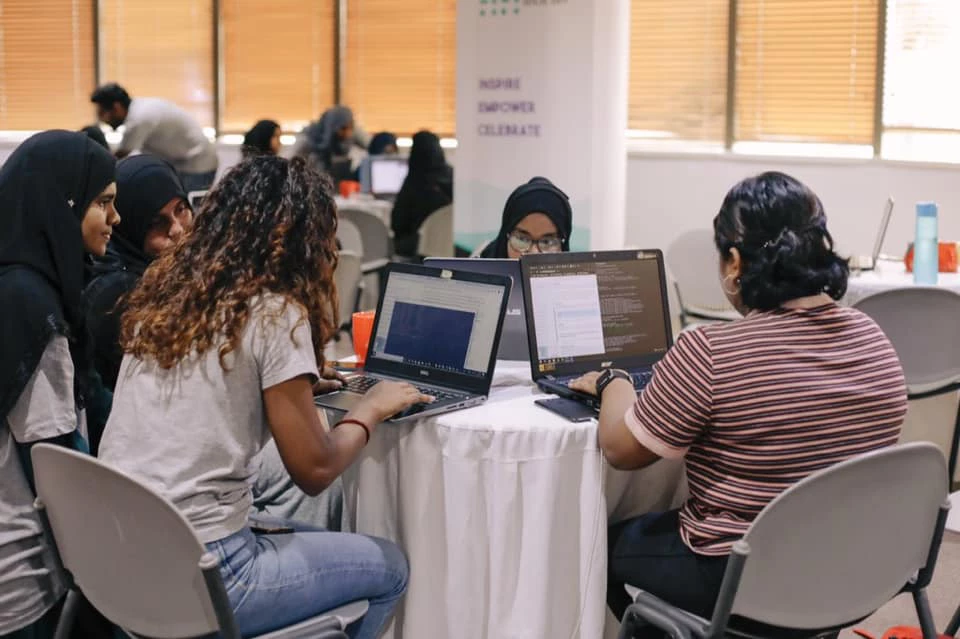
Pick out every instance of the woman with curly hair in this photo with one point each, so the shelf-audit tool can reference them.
(223, 340)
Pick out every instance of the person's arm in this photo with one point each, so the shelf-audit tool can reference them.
(670, 414)
(135, 135)
(313, 456)
(622, 450)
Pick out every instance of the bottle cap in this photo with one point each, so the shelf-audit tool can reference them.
(926, 209)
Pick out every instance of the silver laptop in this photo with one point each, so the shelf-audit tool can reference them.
(590, 311)
(438, 329)
(868, 263)
(513, 343)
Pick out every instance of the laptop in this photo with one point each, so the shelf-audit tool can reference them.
(384, 175)
(590, 311)
(869, 263)
(437, 329)
(513, 342)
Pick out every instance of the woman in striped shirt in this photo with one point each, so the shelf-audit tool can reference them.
(755, 405)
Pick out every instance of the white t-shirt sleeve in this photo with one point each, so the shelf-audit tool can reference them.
(46, 407)
(285, 346)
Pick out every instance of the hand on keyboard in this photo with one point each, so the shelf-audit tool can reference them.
(385, 399)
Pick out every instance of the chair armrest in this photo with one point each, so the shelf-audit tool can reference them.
(649, 604)
(639, 614)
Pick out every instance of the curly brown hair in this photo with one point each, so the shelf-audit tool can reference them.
(268, 226)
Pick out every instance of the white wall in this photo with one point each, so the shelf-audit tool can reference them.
(670, 194)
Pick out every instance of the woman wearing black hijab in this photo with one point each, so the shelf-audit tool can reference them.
(536, 217)
(262, 139)
(154, 211)
(427, 187)
(56, 203)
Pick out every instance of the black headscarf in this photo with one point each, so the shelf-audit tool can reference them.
(145, 184)
(46, 185)
(257, 140)
(380, 142)
(427, 187)
(95, 133)
(539, 195)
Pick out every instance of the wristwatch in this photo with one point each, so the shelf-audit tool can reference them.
(608, 376)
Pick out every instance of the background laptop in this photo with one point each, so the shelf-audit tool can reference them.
(437, 329)
(590, 311)
(384, 176)
(513, 342)
(868, 263)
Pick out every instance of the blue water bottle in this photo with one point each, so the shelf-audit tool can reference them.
(926, 253)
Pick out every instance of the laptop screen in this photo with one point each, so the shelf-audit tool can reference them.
(440, 324)
(387, 175)
(587, 313)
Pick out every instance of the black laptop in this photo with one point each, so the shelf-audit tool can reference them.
(590, 311)
(513, 342)
(437, 329)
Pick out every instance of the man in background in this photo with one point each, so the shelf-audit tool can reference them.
(161, 128)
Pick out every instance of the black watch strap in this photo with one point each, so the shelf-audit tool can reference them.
(608, 376)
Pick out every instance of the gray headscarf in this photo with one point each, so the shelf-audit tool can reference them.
(320, 141)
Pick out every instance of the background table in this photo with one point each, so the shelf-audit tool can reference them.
(889, 275)
(502, 511)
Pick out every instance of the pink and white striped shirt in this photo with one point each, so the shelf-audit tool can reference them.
(758, 404)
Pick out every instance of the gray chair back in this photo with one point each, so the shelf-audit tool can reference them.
(436, 234)
(692, 262)
(347, 277)
(377, 237)
(839, 544)
(131, 553)
(921, 323)
(350, 237)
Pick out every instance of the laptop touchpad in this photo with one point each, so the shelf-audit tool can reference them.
(339, 401)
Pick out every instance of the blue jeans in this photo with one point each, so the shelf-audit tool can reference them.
(277, 580)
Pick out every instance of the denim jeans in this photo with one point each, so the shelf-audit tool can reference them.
(647, 552)
(276, 580)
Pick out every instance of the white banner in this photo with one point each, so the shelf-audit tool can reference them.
(541, 90)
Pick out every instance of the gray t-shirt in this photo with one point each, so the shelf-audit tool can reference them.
(30, 579)
(193, 432)
(161, 128)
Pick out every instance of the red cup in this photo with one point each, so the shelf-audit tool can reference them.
(349, 187)
(362, 329)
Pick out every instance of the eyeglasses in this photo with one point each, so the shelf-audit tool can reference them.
(523, 243)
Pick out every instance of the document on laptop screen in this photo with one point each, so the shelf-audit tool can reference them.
(445, 324)
(590, 310)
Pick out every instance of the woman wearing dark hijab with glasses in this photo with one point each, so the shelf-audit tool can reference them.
(154, 214)
(536, 217)
(56, 204)
(427, 187)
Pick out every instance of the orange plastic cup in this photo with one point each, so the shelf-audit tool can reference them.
(349, 187)
(362, 328)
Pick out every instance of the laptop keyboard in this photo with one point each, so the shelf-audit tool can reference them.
(640, 379)
(361, 384)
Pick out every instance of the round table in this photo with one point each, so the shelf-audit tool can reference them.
(502, 511)
(889, 275)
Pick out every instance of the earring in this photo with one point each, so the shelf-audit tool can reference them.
(723, 285)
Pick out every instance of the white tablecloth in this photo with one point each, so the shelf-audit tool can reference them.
(502, 511)
(889, 275)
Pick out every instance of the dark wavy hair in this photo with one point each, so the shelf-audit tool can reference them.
(779, 227)
(269, 225)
